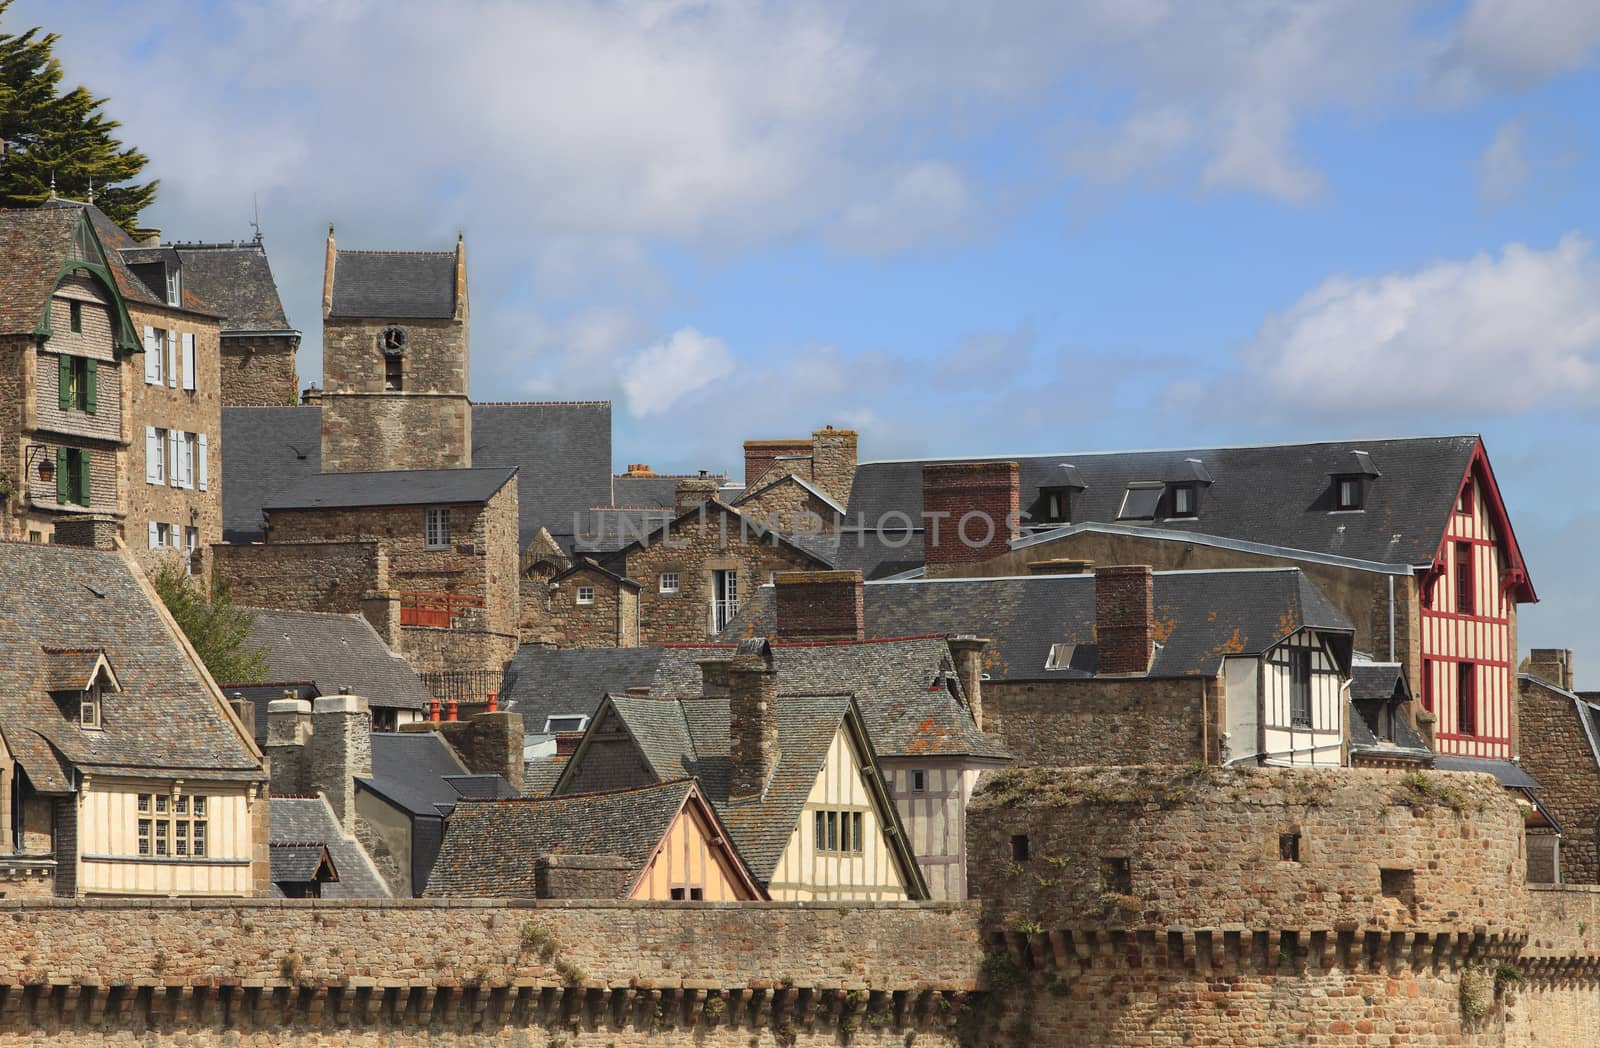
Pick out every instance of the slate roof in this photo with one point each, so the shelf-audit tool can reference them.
(118, 244)
(399, 284)
(608, 529)
(481, 787)
(34, 242)
(656, 489)
(1511, 775)
(1201, 617)
(164, 721)
(490, 847)
(539, 776)
(1374, 685)
(1278, 494)
(311, 819)
(907, 691)
(419, 772)
(236, 280)
(260, 695)
(395, 487)
(298, 863)
(562, 453)
(333, 652)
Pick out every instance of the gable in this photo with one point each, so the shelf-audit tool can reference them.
(1489, 519)
(608, 758)
(694, 853)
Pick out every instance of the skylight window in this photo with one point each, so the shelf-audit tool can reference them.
(1060, 657)
(565, 722)
(1140, 500)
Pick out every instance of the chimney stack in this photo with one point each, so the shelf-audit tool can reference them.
(968, 652)
(752, 721)
(1551, 665)
(87, 532)
(1124, 618)
(820, 605)
(340, 752)
(694, 491)
(760, 454)
(833, 462)
(147, 236)
(329, 258)
(715, 677)
(288, 731)
(970, 510)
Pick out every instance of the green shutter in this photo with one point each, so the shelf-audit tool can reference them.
(64, 363)
(83, 478)
(61, 476)
(90, 399)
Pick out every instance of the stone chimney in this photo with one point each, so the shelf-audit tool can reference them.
(752, 721)
(461, 276)
(820, 605)
(715, 677)
(330, 257)
(694, 491)
(311, 396)
(833, 462)
(640, 469)
(971, 511)
(244, 709)
(487, 743)
(1551, 665)
(1124, 618)
(968, 652)
(147, 236)
(87, 532)
(288, 731)
(759, 454)
(381, 608)
(339, 752)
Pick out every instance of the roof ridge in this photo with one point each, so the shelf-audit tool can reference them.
(540, 403)
(427, 254)
(1169, 451)
(298, 844)
(588, 794)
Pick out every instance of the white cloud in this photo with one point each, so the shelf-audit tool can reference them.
(1485, 336)
(1502, 169)
(1517, 44)
(666, 372)
(922, 202)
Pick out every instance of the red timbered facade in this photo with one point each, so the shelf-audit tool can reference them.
(1469, 598)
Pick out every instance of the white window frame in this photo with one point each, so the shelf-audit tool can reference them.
(89, 707)
(155, 455)
(436, 527)
(550, 722)
(669, 582)
(174, 285)
(155, 355)
(585, 595)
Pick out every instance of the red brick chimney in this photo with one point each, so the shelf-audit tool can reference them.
(752, 721)
(1124, 618)
(820, 605)
(759, 454)
(970, 511)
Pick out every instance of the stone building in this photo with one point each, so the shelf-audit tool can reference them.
(122, 769)
(826, 462)
(258, 345)
(314, 857)
(1561, 749)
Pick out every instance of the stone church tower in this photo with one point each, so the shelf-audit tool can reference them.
(395, 360)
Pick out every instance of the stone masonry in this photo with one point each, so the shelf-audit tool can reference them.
(259, 370)
(1555, 750)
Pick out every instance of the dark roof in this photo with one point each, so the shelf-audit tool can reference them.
(165, 720)
(123, 252)
(608, 529)
(298, 863)
(1374, 686)
(395, 487)
(909, 696)
(539, 776)
(481, 787)
(34, 243)
(235, 280)
(562, 453)
(1275, 494)
(490, 848)
(333, 652)
(394, 284)
(259, 695)
(1377, 681)
(1200, 617)
(311, 819)
(1510, 774)
(419, 772)
(651, 490)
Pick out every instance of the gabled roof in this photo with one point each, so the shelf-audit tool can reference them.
(166, 720)
(123, 252)
(650, 489)
(395, 487)
(1373, 686)
(1200, 617)
(76, 669)
(236, 280)
(397, 284)
(689, 738)
(418, 772)
(300, 862)
(491, 848)
(562, 453)
(37, 246)
(1278, 494)
(608, 529)
(1584, 708)
(747, 526)
(909, 696)
(310, 819)
(333, 652)
(788, 478)
(585, 565)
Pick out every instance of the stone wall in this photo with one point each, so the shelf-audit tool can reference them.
(787, 506)
(430, 650)
(259, 370)
(1556, 751)
(302, 576)
(552, 616)
(1100, 721)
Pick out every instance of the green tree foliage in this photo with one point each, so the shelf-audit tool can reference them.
(50, 132)
(219, 630)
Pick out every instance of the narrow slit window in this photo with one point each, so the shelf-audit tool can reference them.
(1289, 846)
(1466, 699)
(1019, 847)
(1300, 688)
(394, 379)
(1466, 581)
(75, 311)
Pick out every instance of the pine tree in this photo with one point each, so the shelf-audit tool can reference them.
(48, 133)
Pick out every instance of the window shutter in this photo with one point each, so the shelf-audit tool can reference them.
(152, 455)
(188, 360)
(172, 359)
(64, 377)
(204, 473)
(155, 540)
(61, 476)
(92, 397)
(152, 358)
(174, 474)
(83, 478)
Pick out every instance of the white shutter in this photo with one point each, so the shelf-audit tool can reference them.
(172, 359)
(204, 473)
(175, 474)
(152, 455)
(152, 358)
(155, 539)
(188, 360)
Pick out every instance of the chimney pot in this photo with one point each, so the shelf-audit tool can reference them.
(494, 703)
(1124, 612)
(451, 710)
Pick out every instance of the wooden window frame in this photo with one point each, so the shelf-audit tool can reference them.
(1358, 489)
(1301, 714)
(89, 711)
(75, 316)
(1466, 578)
(1192, 491)
(173, 826)
(580, 597)
(1466, 698)
(675, 586)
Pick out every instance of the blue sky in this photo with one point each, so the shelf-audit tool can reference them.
(960, 228)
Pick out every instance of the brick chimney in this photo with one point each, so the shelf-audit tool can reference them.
(971, 511)
(640, 469)
(820, 605)
(1551, 665)
(1124, 618)
(759, 454)
(833, 462)
(340, 750)
(968, 652)
(694, 491)
(752, 721)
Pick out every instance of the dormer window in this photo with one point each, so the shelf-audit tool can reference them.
(1184, 502)
(1140, 500)
(1055, 505)
(89, 707)
(1349, 492)
(174, 285)
(1464, 500)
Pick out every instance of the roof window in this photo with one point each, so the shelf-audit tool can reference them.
(1185, 500)
(1140, 500)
